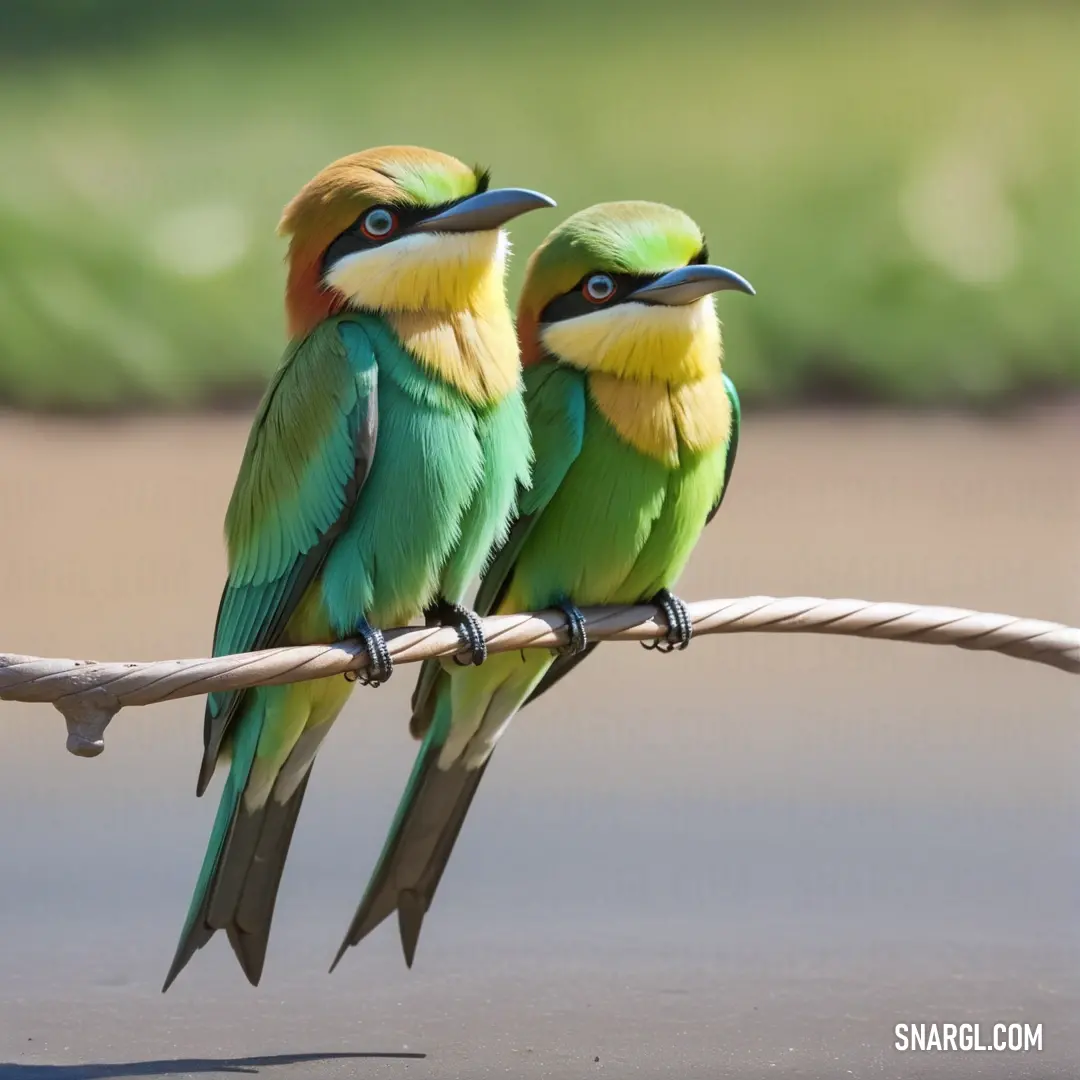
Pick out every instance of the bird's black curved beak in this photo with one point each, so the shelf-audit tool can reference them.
(690, 283)
(488, 210)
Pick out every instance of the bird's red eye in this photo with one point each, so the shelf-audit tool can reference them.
(379, 223)
(598, 289)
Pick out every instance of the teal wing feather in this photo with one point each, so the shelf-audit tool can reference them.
(732, 446)
(555, 400)
(308, 454)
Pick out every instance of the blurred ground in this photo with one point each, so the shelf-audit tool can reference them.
(752, 859)
(897, 179)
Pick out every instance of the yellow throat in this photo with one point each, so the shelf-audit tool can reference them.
(654, 374)
(445, 297)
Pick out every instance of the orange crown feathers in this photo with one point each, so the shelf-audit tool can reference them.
(331, 201)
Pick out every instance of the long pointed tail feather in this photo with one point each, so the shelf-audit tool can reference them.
(240, 896)
(471, 711)
(421, 839)
(238, 883)
(197, 929)
(249, 930)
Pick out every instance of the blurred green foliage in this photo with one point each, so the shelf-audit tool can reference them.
(900, 181)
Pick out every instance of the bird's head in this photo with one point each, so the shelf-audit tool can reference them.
(625, 288)
(396, 228)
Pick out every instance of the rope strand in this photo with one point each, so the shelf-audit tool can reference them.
(89, 694)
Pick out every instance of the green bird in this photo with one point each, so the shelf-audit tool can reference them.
(635, 430)
(382, 465)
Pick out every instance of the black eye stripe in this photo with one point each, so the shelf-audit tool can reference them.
(574, 303)
(408, 217)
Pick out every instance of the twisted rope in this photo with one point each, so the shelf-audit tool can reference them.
(89, 694)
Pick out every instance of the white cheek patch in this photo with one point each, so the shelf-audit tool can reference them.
(637, 340)
(421, 271)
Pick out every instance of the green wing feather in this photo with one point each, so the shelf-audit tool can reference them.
(308, 454)
(732, 446)
(555, 400)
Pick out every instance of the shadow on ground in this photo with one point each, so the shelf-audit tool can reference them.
(174, 1066)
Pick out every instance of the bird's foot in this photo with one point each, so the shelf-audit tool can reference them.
(575, 625)
(680, 629)
(468, 626)
(380, 665)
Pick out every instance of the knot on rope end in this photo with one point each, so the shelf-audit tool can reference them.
(86, 724)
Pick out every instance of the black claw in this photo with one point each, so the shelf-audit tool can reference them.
(471, 633)
(680, 629)
(575, 624)
(380, 665)
(468, 626)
